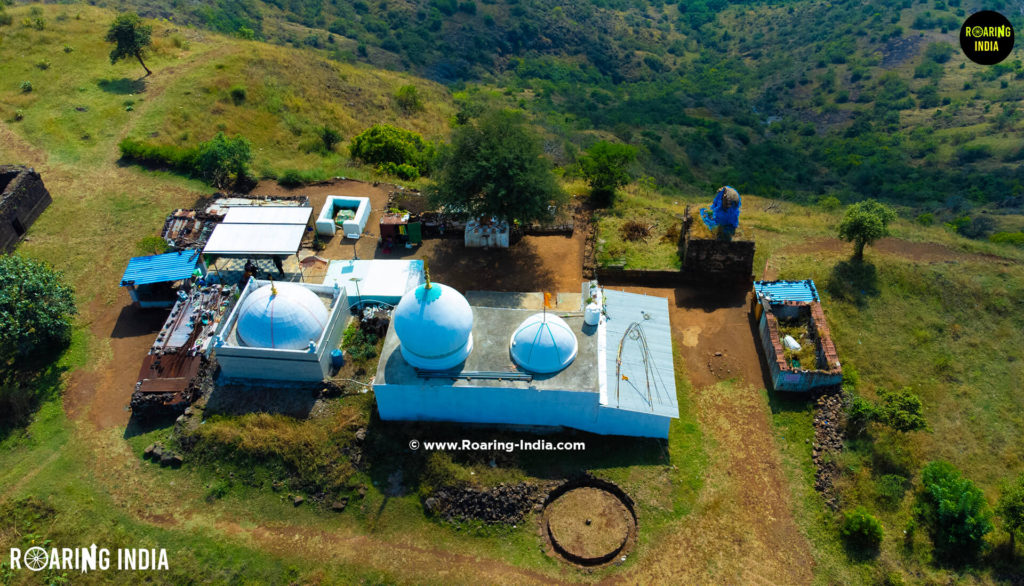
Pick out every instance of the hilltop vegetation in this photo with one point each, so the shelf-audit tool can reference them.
(785, 99)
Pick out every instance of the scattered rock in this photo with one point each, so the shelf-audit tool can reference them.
(158, 452)
(361, 434)
(298, 500)
(504, 503)
(829, 428)
(339, 506)
(148, 452)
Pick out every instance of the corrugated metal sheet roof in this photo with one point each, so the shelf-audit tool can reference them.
(787, 290)
(161, 268)
(268, 215)
(649, 385)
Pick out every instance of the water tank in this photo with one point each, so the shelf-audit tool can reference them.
(592, 314)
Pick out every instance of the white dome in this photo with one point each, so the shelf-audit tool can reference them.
(434, 326)
(286, 321)
(543, 344)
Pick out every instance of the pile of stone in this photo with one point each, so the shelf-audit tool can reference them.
(829, 428)
(504, 503)
(163, 456)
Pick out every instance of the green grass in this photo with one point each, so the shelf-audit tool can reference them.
(659, 250)
(951, 333)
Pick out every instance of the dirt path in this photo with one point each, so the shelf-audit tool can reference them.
(742, 529)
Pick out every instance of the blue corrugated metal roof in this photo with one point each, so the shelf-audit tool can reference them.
(622, 310)
(160, 268)
(787, 290)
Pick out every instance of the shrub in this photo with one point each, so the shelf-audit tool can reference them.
(153, 155)
(5, 19)
(901, 410)
(408, 99)
(383, 143)
(238, 94)
(43, 65)
(954, 510)
(68, 48)
(1011, 509)
(925, 219)
(403, 171)
(329, 137)
(26, 87)
(861, 530)
(1014, 238)
(291, 178)
(830, 203)
(221, 159)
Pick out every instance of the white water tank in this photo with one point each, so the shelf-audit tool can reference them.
(592, 314)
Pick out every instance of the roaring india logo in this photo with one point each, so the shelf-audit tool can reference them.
(986, 37)
(87, 559)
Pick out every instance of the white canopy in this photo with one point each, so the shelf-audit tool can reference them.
(268, 215)
(255, 239)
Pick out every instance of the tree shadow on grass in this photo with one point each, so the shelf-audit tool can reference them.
(123, 86)
(22, 393)
(854, 281)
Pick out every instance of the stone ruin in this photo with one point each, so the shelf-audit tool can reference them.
(23, 199)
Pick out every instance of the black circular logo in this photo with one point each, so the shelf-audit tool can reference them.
(986, 37)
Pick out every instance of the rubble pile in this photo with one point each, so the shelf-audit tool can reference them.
(503, 503)
(829, 427)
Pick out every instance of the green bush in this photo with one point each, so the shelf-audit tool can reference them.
(861, 530)
(407, 172)
(830, 203)
(1014, 238)
(925, 219)
(238, 94)
(329, 138)
(383, 143)
(291, 178)
(954, 510)
(358, 344)
(154, 155)
(26, 87)
(408, 99)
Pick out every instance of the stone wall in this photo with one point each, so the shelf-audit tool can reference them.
(24, 197)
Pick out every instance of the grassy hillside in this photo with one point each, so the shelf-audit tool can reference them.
(80, 104)
(785, 99)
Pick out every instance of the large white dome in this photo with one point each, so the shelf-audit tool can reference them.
(543, 344)
(435, 327)
(286, 321)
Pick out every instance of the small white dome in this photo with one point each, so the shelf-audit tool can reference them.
(543, 344)
(434, 326)
(286, 321)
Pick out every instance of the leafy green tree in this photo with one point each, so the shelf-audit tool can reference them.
(383, 143)
(36, 308)
(496, 167)
(130, 37)
(864, 223)
(954, 510)
(861, 530)
(221, 159)
(605, 168)
(1011, 510)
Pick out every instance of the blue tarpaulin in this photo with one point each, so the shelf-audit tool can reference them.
(728, 218)
(779, 291)
(160, 268)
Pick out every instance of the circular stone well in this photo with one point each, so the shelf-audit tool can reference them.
(589, 525)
